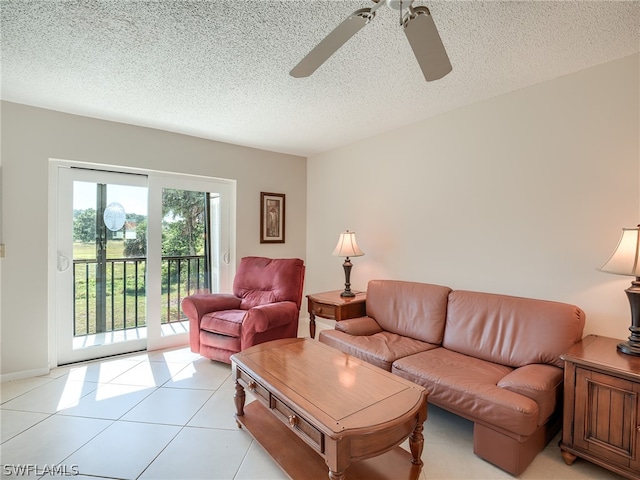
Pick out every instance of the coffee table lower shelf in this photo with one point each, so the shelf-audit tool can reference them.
(301, 462)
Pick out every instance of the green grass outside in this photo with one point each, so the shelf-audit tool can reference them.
(87, 251)
(121, 302)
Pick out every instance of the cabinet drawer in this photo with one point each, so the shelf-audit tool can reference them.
(323, 310)
(253, 386)
(303, 429)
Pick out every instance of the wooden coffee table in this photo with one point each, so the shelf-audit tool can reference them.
(318, 407)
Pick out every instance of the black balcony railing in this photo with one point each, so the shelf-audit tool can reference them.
(125, 289)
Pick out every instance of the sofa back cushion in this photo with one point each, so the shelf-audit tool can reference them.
(511, 331)
(416, 310)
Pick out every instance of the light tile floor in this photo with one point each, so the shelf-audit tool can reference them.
(169, 415)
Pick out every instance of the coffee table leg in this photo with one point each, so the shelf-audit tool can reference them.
(336, 475)
(416, 443)
(337, 457)
(238, 399)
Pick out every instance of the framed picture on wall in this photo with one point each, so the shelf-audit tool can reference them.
(272, 217)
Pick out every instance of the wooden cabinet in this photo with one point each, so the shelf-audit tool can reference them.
(334, 307)
(602, 406)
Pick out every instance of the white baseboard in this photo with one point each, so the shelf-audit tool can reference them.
(321, 324)
(8, 377)
(324, 324)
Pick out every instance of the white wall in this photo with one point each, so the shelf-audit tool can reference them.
(524, 194)
(31, 136)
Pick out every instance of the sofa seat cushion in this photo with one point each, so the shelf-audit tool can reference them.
(468, 387)
(226, 322)
(381, 349)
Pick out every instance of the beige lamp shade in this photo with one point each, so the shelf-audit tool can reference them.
(347, 246)
(624, 260)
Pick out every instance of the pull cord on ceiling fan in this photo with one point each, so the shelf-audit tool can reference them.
(417, 24)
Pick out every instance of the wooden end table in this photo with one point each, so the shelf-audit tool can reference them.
(334, 307)
(318, 408)
(602, 406)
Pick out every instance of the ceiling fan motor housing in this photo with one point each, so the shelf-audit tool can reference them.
(399, 4)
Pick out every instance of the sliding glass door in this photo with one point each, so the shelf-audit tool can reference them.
(192, 238)
(101, 269)
(129, 247)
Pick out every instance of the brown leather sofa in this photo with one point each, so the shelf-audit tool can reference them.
(492, 359)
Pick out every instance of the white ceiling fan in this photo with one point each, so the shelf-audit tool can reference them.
(416, 23)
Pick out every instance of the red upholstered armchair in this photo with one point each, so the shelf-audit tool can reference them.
(265, 305)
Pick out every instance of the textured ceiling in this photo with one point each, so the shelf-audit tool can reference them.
(220, 69)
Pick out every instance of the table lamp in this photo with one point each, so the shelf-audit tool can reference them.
(624, 261)
(347, 247)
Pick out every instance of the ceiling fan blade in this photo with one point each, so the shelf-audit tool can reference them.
(332, 42)
(426, 43)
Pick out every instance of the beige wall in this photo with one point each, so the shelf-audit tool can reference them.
(31, 136)
(524, 194)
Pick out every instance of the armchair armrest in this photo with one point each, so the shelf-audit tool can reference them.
(264, 317)
(195, 306)
(359, 326)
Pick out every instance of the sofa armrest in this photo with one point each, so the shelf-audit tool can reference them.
(540, 382)
(359, 326)
(532, 378)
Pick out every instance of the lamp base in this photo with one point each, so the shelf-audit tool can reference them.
(629, 348)
(632, 345)
(347, 274)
